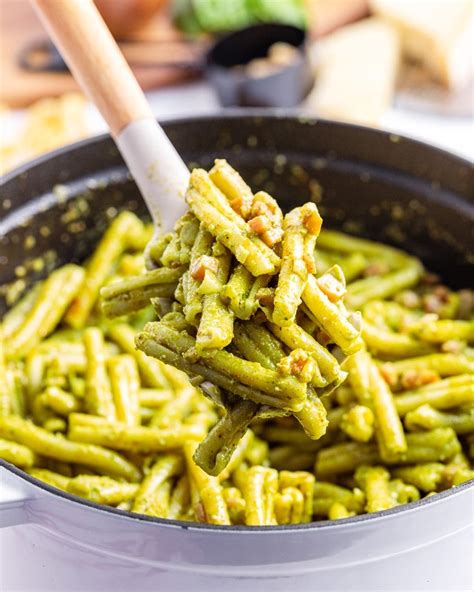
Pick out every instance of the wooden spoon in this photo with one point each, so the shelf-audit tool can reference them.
(97, 64)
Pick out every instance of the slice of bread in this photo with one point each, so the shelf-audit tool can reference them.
(356, 71)
(437, 33)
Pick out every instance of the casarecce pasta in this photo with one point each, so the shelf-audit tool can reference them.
(283, 373)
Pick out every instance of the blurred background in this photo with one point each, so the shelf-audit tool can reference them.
(402, 65)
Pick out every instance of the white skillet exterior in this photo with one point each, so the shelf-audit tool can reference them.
(63, 544)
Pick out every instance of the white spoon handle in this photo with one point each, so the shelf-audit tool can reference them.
(157, 168)
(99, 67)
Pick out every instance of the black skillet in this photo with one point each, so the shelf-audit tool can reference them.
(366, 182)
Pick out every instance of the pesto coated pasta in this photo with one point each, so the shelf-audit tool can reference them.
(255, 369)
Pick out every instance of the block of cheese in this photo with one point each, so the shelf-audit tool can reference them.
(356, 71)
(437, 33)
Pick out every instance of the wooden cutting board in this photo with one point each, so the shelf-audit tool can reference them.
(160, 42)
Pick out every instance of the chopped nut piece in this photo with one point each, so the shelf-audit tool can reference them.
(265, 204)
(414, 378)
(236, 204)
(333, 288)
(376, 268)
(201, 265)
(453, 346)
(300, 364)
(266, 218)
(409, 299)
(273, 236)
(432, 303)
(313, 222)
(260, 224)
(389, 374)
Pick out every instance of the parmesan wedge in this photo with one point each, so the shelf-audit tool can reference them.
(437, 33)
(356, 71)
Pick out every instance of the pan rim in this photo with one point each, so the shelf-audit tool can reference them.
(232, 114)
(320, 525)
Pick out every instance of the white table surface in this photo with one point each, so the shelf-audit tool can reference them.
(455, 134)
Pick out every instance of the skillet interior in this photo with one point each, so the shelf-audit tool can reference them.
(366, 182)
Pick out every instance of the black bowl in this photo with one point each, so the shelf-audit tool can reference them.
(285, 88)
